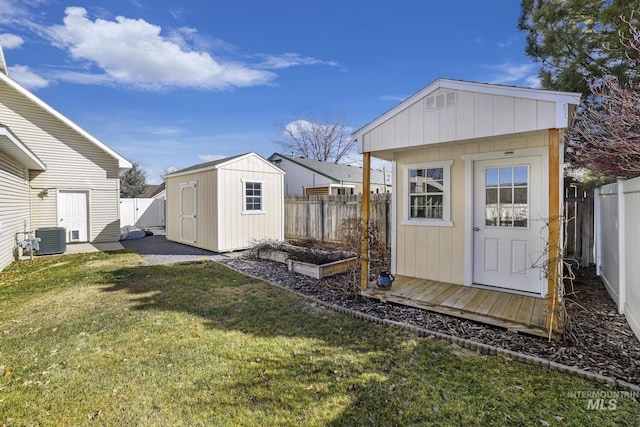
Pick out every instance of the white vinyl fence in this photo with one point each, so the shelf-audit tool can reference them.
(617, 222)
(142, 212)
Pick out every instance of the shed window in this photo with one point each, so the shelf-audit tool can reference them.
(252, 196)
(427, 194)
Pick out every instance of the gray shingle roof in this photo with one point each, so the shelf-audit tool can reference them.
(339, 172)
(206, 165)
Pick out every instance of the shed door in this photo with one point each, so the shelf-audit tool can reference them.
(72, 215)
(508, 224)
(188, 212)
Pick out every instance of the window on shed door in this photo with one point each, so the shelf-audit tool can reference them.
(507, 197)
(252, 196)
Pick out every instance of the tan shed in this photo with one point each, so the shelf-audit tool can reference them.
(477, 173)
(226, 204)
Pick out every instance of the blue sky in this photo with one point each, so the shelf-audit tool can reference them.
(171, 84)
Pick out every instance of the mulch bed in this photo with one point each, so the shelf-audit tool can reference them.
(598, 339)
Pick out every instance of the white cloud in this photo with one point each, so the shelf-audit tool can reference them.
(292, 60)
(392, 98)
(210, 157)
(507, 43)
(133, 52)
(10, 41)
(27, 78)
(515, 74)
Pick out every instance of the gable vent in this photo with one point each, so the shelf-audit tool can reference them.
(442, 100)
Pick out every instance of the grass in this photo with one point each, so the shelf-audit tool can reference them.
(103, 339)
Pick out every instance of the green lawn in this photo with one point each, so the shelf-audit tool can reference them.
(101, 339)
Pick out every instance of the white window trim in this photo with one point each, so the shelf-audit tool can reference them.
(244, 197)
(446, 198)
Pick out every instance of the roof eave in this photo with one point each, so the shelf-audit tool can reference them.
(123, 164)
(21, 153)
(562, 100)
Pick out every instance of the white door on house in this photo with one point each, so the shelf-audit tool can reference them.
(72, 215)
(508, 225)
(188, 212)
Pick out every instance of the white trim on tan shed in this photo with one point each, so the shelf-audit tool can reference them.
(222, 221)
(482, 132)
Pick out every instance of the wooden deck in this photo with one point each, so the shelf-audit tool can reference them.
(517, 313)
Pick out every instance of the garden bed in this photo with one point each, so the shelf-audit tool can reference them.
(308, 261)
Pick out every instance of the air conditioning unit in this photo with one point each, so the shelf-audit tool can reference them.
(52, 240)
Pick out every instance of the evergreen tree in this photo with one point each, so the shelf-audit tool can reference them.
(578, 40)
(133, 182)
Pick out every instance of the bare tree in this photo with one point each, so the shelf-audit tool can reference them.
(307, 136)
(606, 137)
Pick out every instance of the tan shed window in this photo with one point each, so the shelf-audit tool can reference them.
(427, 194)
(252, 196)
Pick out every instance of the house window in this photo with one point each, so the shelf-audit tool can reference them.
(252, 197)
(427, 194)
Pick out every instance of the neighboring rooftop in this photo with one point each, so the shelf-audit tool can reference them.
(152, 190)
(338, 172)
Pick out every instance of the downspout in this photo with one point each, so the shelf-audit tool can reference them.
(366, 178)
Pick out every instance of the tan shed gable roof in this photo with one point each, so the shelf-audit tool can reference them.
(562, 101)
(123, 163)
(217, 164)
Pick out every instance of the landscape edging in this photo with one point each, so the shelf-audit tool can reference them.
(463, 342)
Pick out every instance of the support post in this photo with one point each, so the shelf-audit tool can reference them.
(366, 194)
(554, 298)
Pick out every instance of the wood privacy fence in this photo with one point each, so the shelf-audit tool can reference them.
(579, 228)
(617, 231)
(324, 217)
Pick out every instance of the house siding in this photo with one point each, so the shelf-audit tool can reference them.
(72, 163)
(443, 258)
(14, 207)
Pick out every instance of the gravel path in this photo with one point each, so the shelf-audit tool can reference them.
(157, 249)
(600, 341)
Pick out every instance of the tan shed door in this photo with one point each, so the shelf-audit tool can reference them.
(508, 224)
(188, 211)
(72, 215)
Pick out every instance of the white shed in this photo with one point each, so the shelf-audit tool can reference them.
(226, 204)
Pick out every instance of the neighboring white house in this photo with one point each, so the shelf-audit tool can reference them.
(226, 204)
(477, 172)
(53, 174)
(313, 177)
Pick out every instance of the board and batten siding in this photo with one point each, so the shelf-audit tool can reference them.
(238, 230)
(206, 207)
(474, 115)
(14, 206)
(438, 253)
(220, 223)
(73, 164)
